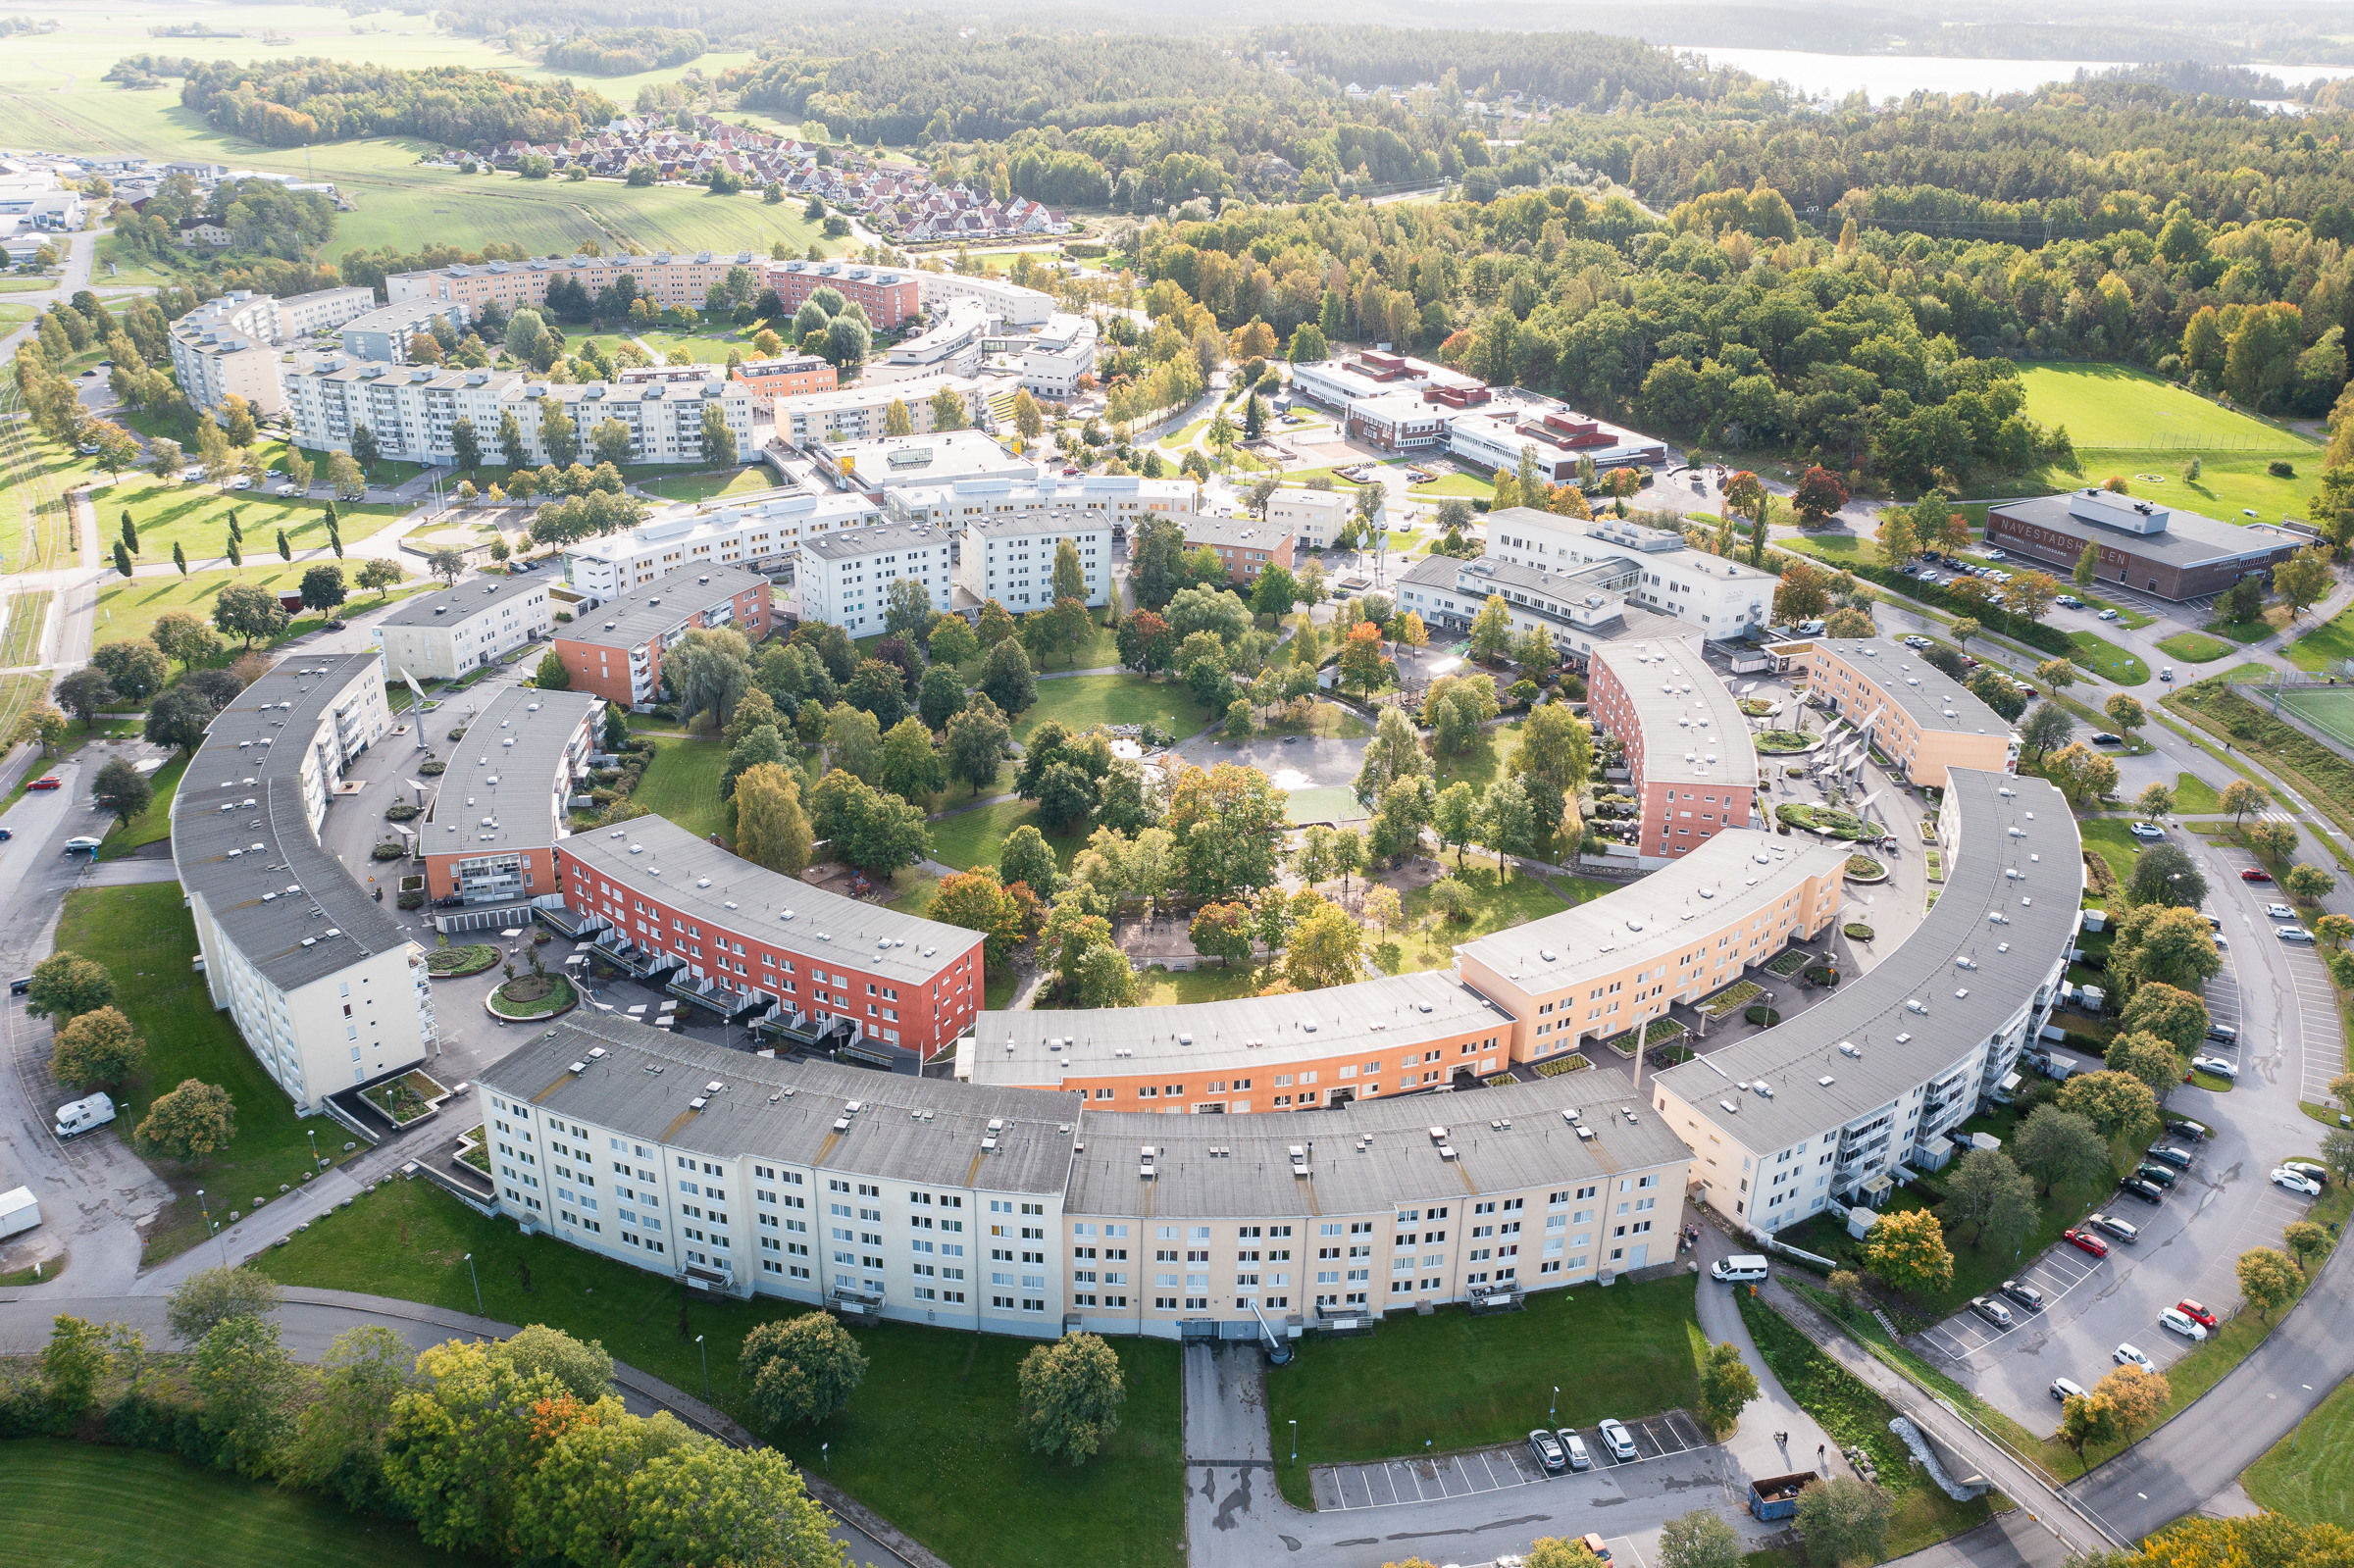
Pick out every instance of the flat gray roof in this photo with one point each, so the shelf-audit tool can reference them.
(449, 606)
(1236, 531)
(1686, 713)
(2189, 539)
(491, 780)
(1395, 1013)
(698, 877)
(657, 608)
(1733, 875)
(927, 1131)
(1367, 1156)
(2035, 881)
(872, 540)
(1934, 699)
(280, 890)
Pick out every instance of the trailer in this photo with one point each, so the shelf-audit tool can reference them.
(1777, 1496)
(19, 1211)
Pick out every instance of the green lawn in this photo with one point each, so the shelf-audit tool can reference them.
(1163, 988)
(927, 1441)
(1327, 719)
(33, 492)
(710, 484)
(2115, 406)
(1855, 1416)
(2194, 795)
(2107, 660)
(1082, 702)
(1459, 1382)
(1455, 484)
(146, 939)
(2232, 483)
(196, 515)
(977, 837)
(2310, 1476)
(1428, 944)
(2107, 838)
(682, 783)
(2325, 646)
(127, 607)
(190, 1517)
(1483, 762)
(27, 616)
(2196, 647)
(152, 826)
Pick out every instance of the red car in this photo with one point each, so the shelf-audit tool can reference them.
(2085, 1240)
(2195, 1312)
(48, 782)
(2255, 874)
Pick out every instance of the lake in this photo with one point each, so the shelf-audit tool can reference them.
(1894, 75)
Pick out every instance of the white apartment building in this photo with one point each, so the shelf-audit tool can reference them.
(1121, 499)
(951, 345)
(411, 410)
(664, 278)
(1011, 559)
(316, 975)
(1495, 435)
(1050, 358)
(1723, 597)
(846, 578)
(858, 412)
(1002, 301)
(1821, 1112)
(1313, 518)
(1580, 609)
(384, 335)
(442, 635)
(1020, 1211)
(230, 344)
(760, 532)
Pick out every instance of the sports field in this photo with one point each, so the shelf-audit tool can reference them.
(2116, 407)
(2330, 711)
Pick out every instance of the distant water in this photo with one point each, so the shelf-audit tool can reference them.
(1894, 75)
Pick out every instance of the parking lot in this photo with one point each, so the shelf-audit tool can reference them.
(1393, 1482)
(2053, 1276)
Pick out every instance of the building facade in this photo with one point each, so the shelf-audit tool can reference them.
(1245, 545)
(757, 533)
(1552, 436)
(413, 409)
(1922, 719)
(665, 279)
(231, 345)
(789, 377)
(861, 411)
(318, 977)
(2139, 545)
(846, 578)
(382, 336)
(441, 635)
(1121, 500)
(616, 650)
(1010, 303)
(1691, 765)
(1011, 559)
(1722, 599)
(889, 298)
(500, 810)
(1314, 518)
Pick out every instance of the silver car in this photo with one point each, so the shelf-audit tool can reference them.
(1616, 1438)
(1575, 1446)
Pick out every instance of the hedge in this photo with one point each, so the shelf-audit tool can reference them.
(1993, 618)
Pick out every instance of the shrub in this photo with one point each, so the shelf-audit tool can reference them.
(2281, 467)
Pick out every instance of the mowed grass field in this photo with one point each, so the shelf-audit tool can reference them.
(2115, 406)
(2329, 711)
(2310, 1476)
(195, 517)
(65, 1506)
(127, 607)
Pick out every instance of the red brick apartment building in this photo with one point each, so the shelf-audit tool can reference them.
(793, 376)
(1247, 546)
(499, 811)
(1691, 766)
(889, 298)
(616, 650)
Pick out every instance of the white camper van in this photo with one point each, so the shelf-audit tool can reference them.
(85, 1115)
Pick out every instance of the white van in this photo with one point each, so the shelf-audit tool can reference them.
(1736, 1269)
(85, 1115)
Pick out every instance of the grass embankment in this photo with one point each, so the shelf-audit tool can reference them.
(152, 826)
(939, 1393)
(145, 937)
(27, 617)
(2326, 646)
(2309, 1475)
(2107, 660)
(683, 782)
(2195, 648)
(2324, 777)
(1459, 1382)
(1855, 1416)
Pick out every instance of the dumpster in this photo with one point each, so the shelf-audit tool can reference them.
(1777, 1496)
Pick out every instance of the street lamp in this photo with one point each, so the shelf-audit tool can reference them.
(1295, 1439)
(210, 1227)
(313, 1135)
(706, 1350)
(1553, 1409)
(478, 1286)
(825, 1454)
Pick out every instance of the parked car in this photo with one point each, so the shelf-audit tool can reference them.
(2145, 829)
(2147, 1191)
(2068, 601)
(2108, 615)
(1576, 1447)
(2294, 933)
(81, 843)
(2122, 1229)
(287, 489)
(2166, 672)
(2027, 1295)
(85, 1115)
(2101, 737)
(2195, 1312)
(1594, 1543)
(2278, 912)
(1996, 555)
(1618, 1439)
(337, 624)
(2168, 1154)
(2222, 1035)
(1917, 641)
(47, 781)
(2296, 1182)
(2183, 1126)
(2216, 1065)
(2084, 1241)
(1548, 1449)
(2127, 1355)
(242, 481)
(2183, 1323)
(2065, 1388)
(2309, 1170)
(2156, 1175)
(2255, 874)
(1992, 1311)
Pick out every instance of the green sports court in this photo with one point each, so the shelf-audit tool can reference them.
(2328, 709)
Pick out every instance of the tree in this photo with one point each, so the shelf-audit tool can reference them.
(2046, 728)
(2088, 565)
(1006, 677)
(2307, 885)
(2158, 943)
(1819, 494)
(2304, 579)
(379, 574)
(466, 445)
(2337, 1149)
(2154, 1062)
(952, 641)
(246, 1382)
(2060, 1147)
(977, 900)
(2081, 772)
(1843, 1518)
(2305, 1240)
(2086, 1421)
(123, 791)
(210, 1297)
(911, 769)
(976, 744)
(96, 1048)
(1699, 1539)
(549, 674)
(1326, 948)
(771, 828)
(940, 695)
(2269, 1280)
(448, 564)
(1492, 629)
(340, 1437)
(2117, 1104)
(1028, 858)
(135, 670)
(1222, 931)
(872, 830)
(719, 441)
(77, 1359)
(190, 1122)
(85, 693)
(364, 449)
(801, 1370)
(2334, 930)
(323, 586)
(1963, 630)
(1508, 821)
(1908, 1252)
(2135, 1398)
(179, 718)
(2274, 841)
(2165, 874)
(1977, 1187)
(2241, 796)
(1071, 1392)
(65, 986)
(2125, 711)
(245, 610)
(2167, 1014)
(2155, 800)
(1726, 1386)
(178, 634)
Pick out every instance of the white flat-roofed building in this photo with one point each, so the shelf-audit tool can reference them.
(950, 344)
(859, 411)
(1723, 598)
(1010, 303)
(664, 278)
(895, 462)
(442, 635)
(1822, 1111)
(1050, 357)
(1312, 517)
(1581, 609)
(318, 977)
(1342, 381)
(233, 344)
(383, 335)
(1120, 499)
(411, 410)
(1494, 436)
(846, 578)
(760, 533)
(1011, 559)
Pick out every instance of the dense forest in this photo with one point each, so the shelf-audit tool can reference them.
(292, 103)
(624, 51)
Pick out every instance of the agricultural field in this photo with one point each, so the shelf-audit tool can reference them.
(2115, 406)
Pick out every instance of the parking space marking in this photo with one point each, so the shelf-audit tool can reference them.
(1347, 1488)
